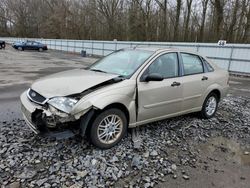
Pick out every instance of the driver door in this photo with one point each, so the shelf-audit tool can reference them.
(160, 99)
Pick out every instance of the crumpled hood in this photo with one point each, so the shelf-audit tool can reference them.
(69, 82)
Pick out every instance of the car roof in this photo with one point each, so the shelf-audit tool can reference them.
(32, 41)
(162, 49)
(159, 50)
(152, 49)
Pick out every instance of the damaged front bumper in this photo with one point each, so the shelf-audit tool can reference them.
(43, 118)
(27, 109)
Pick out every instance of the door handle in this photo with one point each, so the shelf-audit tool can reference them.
(175, 84)
(204, 78)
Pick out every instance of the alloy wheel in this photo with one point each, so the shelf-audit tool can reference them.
(211, 105)
(110, 129)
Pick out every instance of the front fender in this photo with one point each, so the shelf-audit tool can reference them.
(100, 102)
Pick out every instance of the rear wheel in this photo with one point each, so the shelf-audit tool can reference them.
(40, 49)
(210, 105)
(108, 128)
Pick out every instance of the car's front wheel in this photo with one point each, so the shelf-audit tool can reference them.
(210, 106)
(40, 49)
(108, 128)
(20, 48)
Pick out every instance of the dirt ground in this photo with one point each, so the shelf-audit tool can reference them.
(221, 161)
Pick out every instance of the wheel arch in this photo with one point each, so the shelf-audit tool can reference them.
(216, 92)
(87, 119)
(119, 106)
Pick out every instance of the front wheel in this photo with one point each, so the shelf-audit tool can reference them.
(20, 48)
(108, 128)
(210, 106)
(40, 49)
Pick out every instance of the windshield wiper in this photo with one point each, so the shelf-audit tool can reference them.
(97, 70)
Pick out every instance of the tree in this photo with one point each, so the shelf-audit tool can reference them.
(246, 37)
(143, 20)
(203, 19)
(163, 6)
(219, 8)
(189, 3)
(177, 19)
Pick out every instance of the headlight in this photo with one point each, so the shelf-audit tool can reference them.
(64, 104)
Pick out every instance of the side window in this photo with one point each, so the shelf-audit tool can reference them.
(165, 65)
(192, 64)
(208, 66)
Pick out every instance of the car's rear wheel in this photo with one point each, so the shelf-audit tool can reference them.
(40, 49)
(108, 128)
(210, 106)
(20, 48)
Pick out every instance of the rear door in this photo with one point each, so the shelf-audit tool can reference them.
(159, 99)
(28, 46)
(193, 81)
(35, 45)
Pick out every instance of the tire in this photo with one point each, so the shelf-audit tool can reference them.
(102, 128)
(40, 49)
(20, 48)
(210, 106)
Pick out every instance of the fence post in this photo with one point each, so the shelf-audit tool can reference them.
(230, 59)
(82, 47)
(197, 48)
(67, 45)
(92, 43)
(61, 45)
(102, 48)
(74, 46)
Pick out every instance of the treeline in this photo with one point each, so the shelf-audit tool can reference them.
(136, 20)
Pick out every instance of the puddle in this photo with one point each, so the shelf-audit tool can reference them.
(228, 148)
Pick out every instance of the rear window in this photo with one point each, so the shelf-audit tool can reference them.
(208, 66)
(192, 64)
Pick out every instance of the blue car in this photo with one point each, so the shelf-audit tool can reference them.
(30, 45)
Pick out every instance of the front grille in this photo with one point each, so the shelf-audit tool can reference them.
(36, 97)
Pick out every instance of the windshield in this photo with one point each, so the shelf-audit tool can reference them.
(123, 63)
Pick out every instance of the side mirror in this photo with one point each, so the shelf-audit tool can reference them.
(153, 77)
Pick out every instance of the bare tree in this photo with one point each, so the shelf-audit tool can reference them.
(233, 22)
(246, 37)
(177, 19)
(203, 19)
(151, 20)
(163, 6)
(219, 8)
(189, 3)
(109, 9)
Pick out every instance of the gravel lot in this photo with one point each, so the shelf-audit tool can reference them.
(180, 152)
